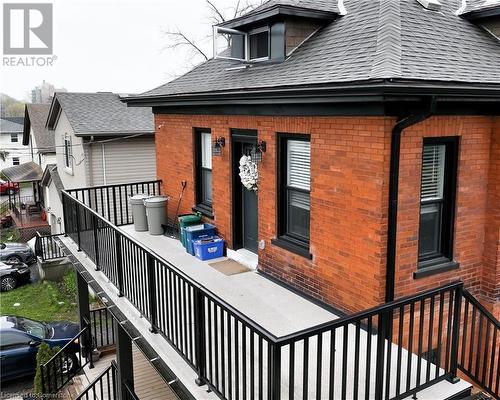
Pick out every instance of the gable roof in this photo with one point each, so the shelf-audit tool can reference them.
(101, 113)
(377, 40)
(11, 124)
(35, 118)
(52, 175)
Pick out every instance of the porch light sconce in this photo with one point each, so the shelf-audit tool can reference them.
(261, 149)
(217, 146)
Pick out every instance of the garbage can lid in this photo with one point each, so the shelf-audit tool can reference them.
(156, 201)
(138, 198)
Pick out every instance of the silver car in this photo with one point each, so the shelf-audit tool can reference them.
(16, 252)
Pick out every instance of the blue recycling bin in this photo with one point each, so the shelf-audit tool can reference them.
(209, 248)
(196, 232)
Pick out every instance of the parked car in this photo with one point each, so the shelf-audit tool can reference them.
(16, 252)
(8, 187)
(19, 341)
(12, 275)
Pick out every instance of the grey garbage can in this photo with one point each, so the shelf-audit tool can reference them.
(139, 212)
(156, 213)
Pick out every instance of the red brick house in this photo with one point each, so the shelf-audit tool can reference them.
(351, 150)
(347, 80)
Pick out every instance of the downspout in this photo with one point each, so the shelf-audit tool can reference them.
(398, 129)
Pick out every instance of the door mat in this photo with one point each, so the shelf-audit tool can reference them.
(229, 267)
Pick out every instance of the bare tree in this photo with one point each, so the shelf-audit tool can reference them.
(180, 38)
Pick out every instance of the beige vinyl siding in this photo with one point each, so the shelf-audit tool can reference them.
(125, 161)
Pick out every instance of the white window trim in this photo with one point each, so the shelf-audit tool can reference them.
(68, 169)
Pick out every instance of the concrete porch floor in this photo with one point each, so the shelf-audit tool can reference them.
(274, 307)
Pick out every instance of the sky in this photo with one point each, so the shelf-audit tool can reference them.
(114, 45)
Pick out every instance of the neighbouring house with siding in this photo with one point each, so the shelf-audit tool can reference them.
(13, 153)
(98, 141)
(36, 135)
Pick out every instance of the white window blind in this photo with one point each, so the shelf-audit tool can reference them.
(433, 172)
(206, 150)
(299, 164)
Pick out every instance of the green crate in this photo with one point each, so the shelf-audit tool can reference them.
(187, 220)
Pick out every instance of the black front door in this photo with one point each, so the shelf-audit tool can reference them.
(245, 214)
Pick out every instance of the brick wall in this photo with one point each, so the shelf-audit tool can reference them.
(349, 190)
(476, 223)
(348, 198)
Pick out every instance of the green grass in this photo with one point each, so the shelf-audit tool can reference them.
(9, 235)
(41, 300)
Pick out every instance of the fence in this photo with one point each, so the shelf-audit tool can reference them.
(76, 354)
(47, 248)
(388, 352)
(111, 201)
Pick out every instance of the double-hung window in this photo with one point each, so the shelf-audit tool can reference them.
(437, 201)
(68, 153)
(15, 161)
(203, 157)
(14, 138)
(294, 190)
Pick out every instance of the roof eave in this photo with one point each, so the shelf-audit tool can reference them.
(325, 93)
(113, 133)
(280, 10)
(482, 14)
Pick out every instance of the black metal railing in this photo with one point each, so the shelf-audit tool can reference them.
(388, 352)
(67, 362)
(47, 248)
(102, 328)
(479, 348)
(74, 356)
(104, 387)
(111, 202)
(107, 387)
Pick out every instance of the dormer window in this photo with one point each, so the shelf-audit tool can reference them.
(242, 46)
(270, 32)
(259, 44)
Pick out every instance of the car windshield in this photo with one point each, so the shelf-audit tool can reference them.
(34, 328)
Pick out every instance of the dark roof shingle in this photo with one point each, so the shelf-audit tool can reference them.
(37, 117)
(103, 113)
(379, 39)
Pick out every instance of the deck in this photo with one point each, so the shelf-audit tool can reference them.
(275, 308)
(148, 384)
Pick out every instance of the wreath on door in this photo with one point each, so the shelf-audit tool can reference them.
(249, 173)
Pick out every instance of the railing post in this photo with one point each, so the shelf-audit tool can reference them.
(276, 372)
(115, 215)
(124, 361)
(77, 206)
(457, 313)
(380, 361)
(152, 294)
(96, 242)
(199, 332)
(119, 266)
(65, 213)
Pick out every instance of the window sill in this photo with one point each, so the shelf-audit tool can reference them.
(204, 210)
(428, 269)
(293, 247)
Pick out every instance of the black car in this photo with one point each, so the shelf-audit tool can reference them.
(19, 341)
(13, 275)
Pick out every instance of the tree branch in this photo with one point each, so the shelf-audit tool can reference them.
(180, 39)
